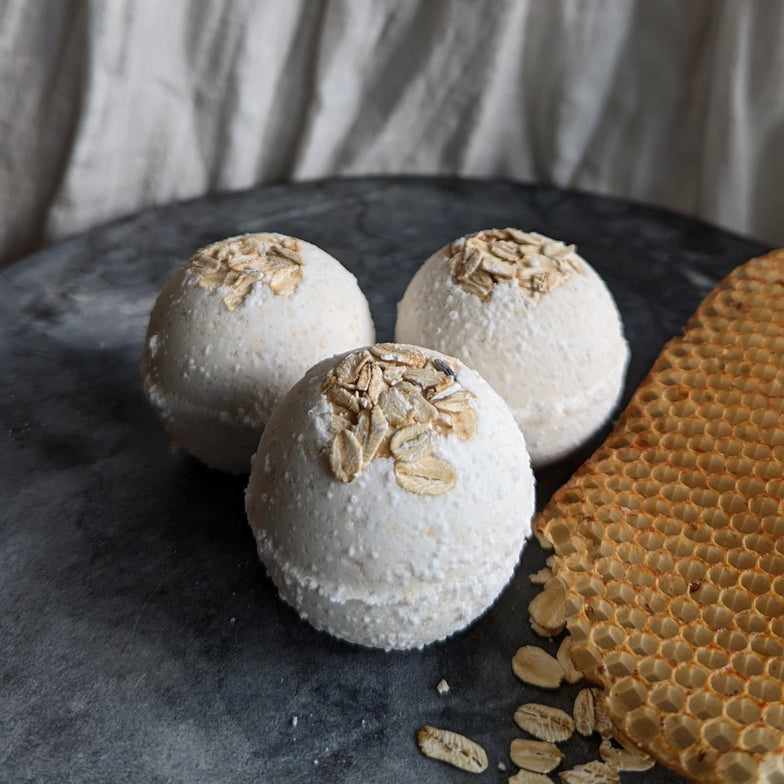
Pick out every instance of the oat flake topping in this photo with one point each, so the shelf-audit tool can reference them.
(241, 262)
(394, 401)
(538, 264)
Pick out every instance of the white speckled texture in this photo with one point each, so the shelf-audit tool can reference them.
(370, 562)
(213, 375)
(559, 361)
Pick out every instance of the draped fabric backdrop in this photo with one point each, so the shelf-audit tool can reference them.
(108, 106)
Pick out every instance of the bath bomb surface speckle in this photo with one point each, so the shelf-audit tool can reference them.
(391, 496)
(535, 320)
(234, 328)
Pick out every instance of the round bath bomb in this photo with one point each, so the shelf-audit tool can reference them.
(390, 496)
(234, 328)
(535, 320)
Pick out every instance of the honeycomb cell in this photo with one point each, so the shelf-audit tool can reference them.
(680, 548)
(589, 585)
(655, 669)
(717, 429)
(729, 448)
(704, 497)
(676, 651)
(759, 740)
(735, 600)
(698, 635)
(684, 611)
(651, 601)
(723, 576)
(630, 553)
(675, 493)
(663, 627)
(739, 466)
(672, 585)
(690, 676)
(755, 583)
(716, 519)
(620, 593)
(703, 593)
(770, 606)
(712, 658)
(768, 647)
(646, 488)
(709, 553)
(607, 637)
(733, 503)
(720, 733)
(705, 705)
(626, 695)
(747, 665)
(738, 767)
(741, 559)
(650, 540)
(751, 623)
(727, 684)
(727, 538)
(722, 483)
(767, 690)
(762, 417)
(773, 715)
(673, 443)
(660, 561)
(641, 577)
(642, 723)
(697, 533)
(643, 644)
(775, 667)
(681, 731)
(667, 697)
(630, 617)
(710, 462)
(731, 639)
(764, 505)
(773, 525)
(768, 470)
(609, 569)
(599, 610)
(620, 664)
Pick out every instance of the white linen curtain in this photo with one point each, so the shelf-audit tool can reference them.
(108, 106)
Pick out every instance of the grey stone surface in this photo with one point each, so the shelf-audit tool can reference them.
(140, 639)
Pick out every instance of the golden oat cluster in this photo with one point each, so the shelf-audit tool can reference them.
(668, 565)
(241, 262)
(394, 401)
(539, 264)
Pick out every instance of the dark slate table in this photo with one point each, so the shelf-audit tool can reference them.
(140, 640)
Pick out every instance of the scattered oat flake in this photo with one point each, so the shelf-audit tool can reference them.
(442, 687)
(453, 748)
(547, 610)
(544, 722)
(571, 673)
(590, 773)
(584, 709)
(624, 758)
(536, 755)
(535, 666)
(529, 777)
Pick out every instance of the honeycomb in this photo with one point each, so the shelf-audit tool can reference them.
(669, 544)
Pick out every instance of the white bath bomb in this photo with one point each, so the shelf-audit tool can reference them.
(391, 496)
(535, 320)
(234, 328)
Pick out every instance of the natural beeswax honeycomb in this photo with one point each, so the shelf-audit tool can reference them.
(669, 542)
